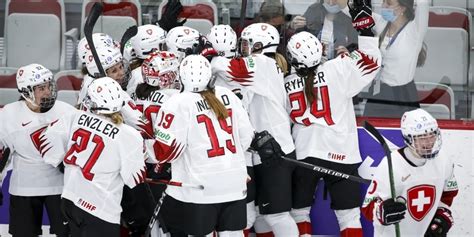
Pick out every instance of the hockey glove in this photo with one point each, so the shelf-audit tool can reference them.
(441, 223)
(169, 19)
(267, 147)
(361, 14)
(391, 211)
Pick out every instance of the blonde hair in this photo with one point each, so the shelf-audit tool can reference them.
(281, 61)
(116, 118)
(216, 105)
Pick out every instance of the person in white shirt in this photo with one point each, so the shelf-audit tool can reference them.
(204, 131)
(101, 154)
(401, 30)
(425, 185)
(33, 183)
(325, 130)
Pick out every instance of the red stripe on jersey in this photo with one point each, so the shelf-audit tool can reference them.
(448, 196)
(238, 71)
(146, 130)
(368, 211)
(352, 232)
(367, 64)
(165, 153)
(141, 175)
(304, 228)
(265, 234)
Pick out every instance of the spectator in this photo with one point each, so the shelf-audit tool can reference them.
(329, 21)
(401, 31)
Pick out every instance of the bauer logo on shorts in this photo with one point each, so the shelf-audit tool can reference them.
(420, 200)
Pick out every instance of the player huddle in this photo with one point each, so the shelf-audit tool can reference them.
(210, 117)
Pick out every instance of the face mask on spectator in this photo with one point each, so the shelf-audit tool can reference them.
(332, 8)
(388, 14)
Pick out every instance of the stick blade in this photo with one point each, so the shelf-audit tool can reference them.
(129, 33)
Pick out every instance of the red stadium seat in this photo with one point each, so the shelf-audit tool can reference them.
(200, 16)
(69, 80)
(34, 32)
(8, 77)
(438, 99)
(117, 16)
(448, 47)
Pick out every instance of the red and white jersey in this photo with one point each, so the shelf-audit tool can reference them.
(327, 127)
(151, 105)
(131, 115)
(20, 130)
(425, 188)
(150, 108)
(204, 150)
(262, 87)
(99, 157)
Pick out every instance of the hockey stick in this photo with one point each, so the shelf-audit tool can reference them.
(374, 132)
(321, 169)
(94, 14)
(156, 211)
(174, 183)
(129, 33)
(326, 171)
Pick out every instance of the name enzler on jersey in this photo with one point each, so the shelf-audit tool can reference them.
(98, 125)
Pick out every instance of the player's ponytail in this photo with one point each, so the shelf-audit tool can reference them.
(216, 105)
(116, 118)
(309, 87)
(281, 61)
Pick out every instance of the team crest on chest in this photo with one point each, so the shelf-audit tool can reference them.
(420, 200)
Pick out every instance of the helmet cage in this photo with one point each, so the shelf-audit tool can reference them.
(426, 145)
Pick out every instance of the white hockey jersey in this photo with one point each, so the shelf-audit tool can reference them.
(327, 128)
(204, 150)
(262, 87)
(20, 130)
(135, 80)
(99, 157)
(150, 108)
(425, 188)
(131, 115)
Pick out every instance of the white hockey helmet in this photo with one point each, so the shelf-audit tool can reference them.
(104, 96)
(223, 39)
(195, 73)
(181, 38)
(161, 69)
(304, 51)
(100, 39)
(262, 34)
(148, 39)
(421, 133)
(30, 76)
(109, 57)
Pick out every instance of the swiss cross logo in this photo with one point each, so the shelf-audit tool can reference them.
(87, 47)
(186, 31)
(149, 31)
(264, 27)
(420, 200)
(99, 89)
(298, 45)
(91, 58)
(20, 72)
